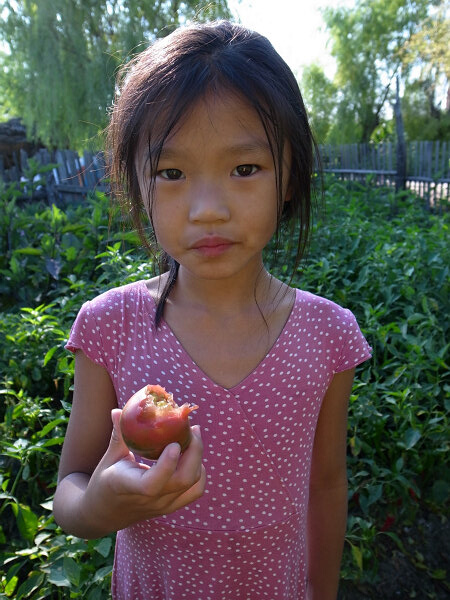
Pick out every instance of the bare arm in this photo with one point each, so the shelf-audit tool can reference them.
(327, 514)
(101, 488)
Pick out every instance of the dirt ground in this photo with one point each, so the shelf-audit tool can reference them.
(421, 570)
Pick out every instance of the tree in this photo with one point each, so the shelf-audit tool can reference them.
(368, 43)
(59, 65)
(426, 100)
(320, 98)
(423, 119)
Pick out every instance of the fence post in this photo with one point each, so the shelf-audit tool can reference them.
(400, 177)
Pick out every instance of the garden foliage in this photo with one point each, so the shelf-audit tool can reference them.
(383, 256)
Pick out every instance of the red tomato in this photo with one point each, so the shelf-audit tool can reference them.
(151, 419)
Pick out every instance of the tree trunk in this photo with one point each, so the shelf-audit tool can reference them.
(400, 178)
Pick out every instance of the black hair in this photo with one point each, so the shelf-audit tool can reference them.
(159, 86)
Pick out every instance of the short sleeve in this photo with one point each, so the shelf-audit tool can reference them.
(85, 335)
(355, 349)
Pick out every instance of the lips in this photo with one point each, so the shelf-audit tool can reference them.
(212, 245)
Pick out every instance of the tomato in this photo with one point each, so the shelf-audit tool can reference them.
(151, 419)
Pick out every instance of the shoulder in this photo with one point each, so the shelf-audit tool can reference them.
(114, 305)
(123, 292)
(332, 327)
(318, 307)
(122, 298)
(110, 315)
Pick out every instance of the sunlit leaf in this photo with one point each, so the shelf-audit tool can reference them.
(26, 520)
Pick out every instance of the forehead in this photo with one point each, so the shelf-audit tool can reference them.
(216, 109)
(227, 117)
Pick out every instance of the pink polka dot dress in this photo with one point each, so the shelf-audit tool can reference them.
(245, 538)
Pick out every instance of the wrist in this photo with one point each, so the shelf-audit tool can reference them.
(74, 512)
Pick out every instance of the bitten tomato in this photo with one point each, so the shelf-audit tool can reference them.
(151, 419)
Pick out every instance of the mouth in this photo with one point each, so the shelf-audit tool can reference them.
(212, 245)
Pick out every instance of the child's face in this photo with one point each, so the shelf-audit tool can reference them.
(215, 201)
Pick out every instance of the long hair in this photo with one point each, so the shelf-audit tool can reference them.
(155, 92)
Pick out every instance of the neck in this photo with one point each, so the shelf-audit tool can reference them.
(237, 294)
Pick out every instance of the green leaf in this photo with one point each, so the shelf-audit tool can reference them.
(57, 575)
(34, 581)
(53, 267)
(29, 251)
(375, 492)
(412, 436)
(47, 505)
(49, 354)
(26, 472)
(72, 570)
(11, 585)
(51, 425)
(369, 496)
(102, 573)
(14, 265)
(357, 556)
(12, 578)
(95, 594)
(103, 546)
(27, 521)
(439, 574)
(446, 389)
(71, 253)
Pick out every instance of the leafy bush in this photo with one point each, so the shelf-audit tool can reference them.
(381, 255)
(387, 259)
(51, 262)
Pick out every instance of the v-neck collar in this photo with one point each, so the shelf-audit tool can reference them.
(189, 360)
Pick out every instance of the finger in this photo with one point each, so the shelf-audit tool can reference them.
(155, 480)
(189, 466)
(117, 448)
(188, 496)
(198, 436)
(177, 479)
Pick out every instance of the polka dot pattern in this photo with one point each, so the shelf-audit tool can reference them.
(246, 536)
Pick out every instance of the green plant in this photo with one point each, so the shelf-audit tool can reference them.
(387, 259)
(381, 255)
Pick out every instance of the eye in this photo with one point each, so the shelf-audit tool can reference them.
(172, 174)
(245, 170)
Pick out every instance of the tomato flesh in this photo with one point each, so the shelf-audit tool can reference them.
(151, 419)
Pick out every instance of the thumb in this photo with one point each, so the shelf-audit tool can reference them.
(117, 448)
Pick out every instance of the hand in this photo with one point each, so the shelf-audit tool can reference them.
(122, 491)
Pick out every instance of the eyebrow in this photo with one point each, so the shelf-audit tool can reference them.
(258, 145)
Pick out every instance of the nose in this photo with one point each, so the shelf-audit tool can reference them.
(208, 203)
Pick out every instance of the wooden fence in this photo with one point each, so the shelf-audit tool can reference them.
(427, 169)
(68, 175)
(427, 166)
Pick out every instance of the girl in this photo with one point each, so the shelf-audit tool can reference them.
(210, 138)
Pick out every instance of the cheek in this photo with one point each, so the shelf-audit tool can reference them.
(271, 229)
(157, 225)
(165, 224)
(154, 210)
(263, 222)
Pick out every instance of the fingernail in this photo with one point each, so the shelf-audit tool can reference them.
(174, 451)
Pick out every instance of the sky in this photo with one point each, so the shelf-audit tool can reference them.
(295, 28)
